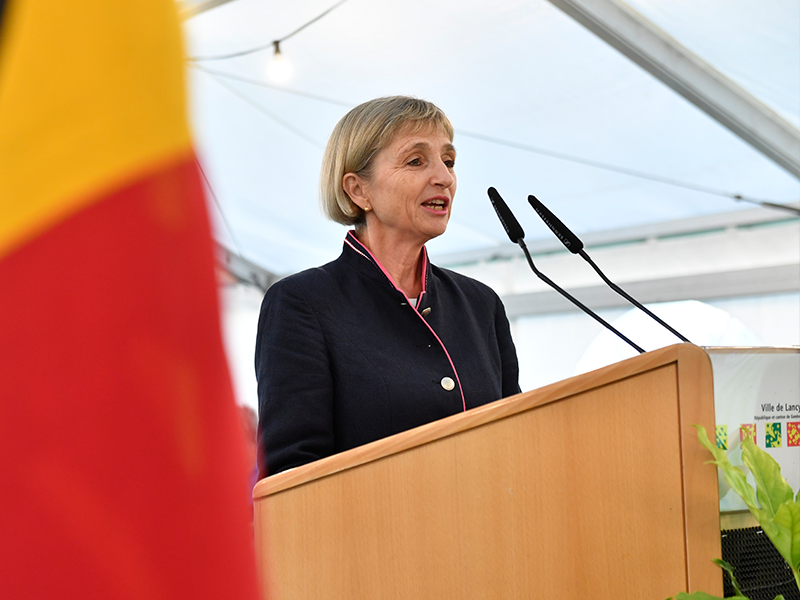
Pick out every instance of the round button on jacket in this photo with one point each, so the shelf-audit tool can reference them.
(448, 383)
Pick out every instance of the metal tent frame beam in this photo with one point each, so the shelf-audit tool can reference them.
(244, 271)
(690, 76)
(762, 281)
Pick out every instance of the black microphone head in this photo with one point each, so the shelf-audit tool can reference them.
(507, 218)
(569, 239)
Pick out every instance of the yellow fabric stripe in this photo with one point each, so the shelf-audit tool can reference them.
(91, 95)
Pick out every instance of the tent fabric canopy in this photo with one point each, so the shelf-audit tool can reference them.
(532, 94)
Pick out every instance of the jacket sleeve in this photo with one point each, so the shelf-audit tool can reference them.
(508, 353)
(295, 387)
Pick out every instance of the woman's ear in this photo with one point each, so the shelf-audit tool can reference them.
(354, 187)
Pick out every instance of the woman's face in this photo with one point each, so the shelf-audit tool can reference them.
(411, 188)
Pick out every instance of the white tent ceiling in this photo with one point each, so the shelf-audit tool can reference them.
(521, 73)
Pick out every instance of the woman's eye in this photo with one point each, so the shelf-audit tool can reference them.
(450, 163)
(415, 162)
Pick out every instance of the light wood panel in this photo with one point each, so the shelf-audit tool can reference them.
(580, 489)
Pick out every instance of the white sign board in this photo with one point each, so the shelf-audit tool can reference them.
(757, 390)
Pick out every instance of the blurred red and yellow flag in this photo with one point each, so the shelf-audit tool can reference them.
(123, 470)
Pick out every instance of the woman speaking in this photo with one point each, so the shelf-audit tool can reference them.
(379, 340)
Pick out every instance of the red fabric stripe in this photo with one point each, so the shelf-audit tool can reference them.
(124, 472)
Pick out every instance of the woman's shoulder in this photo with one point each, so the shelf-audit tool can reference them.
(302, 279)
(308, 284)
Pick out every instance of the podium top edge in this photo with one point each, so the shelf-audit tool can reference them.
(478, 416)
(751, 349)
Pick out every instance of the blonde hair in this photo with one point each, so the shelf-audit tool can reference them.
(358, 137)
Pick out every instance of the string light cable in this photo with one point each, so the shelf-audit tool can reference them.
(273, 44)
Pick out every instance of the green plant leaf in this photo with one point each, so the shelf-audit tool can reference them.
(735, 477)
(771, 505)
(729, 570)
(772, 490)
(787, 537)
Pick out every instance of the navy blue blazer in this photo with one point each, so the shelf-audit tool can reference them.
(343, 358)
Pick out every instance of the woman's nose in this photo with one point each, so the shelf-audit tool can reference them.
(443, 175)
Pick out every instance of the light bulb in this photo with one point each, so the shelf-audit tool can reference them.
(279, 69)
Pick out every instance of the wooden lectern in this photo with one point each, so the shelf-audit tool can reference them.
(593, 487)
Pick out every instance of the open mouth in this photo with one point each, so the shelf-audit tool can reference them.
(436, 204)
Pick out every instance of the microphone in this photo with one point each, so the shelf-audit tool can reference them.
(517, 236)
(507, 218)
(575, 245)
